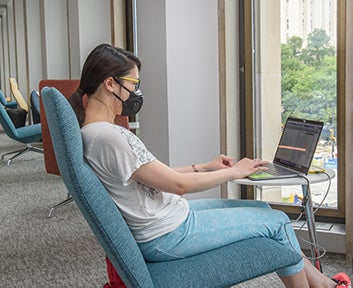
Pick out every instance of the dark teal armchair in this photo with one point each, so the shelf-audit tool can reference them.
(5, 103)
(26, 135)
(222, 267)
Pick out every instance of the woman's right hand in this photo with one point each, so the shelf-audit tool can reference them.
(246, 166)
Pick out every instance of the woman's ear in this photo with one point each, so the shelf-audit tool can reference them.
(84, 100)
(109, 84)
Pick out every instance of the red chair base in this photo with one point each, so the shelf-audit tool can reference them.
(113, 276)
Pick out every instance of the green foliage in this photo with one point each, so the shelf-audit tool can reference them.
(309, 78)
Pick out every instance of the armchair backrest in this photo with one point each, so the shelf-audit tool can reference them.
(7, 102)
(67, 87)
(17, 94)
(7, 124)
(89, 193)
(3, 100)
(35, 106)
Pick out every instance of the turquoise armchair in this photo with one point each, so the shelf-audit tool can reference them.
(5, 103)
(222, 267)
(25, 135)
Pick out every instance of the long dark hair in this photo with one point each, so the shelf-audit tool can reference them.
(104, 61)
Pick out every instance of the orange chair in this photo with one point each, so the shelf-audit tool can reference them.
(67, 87)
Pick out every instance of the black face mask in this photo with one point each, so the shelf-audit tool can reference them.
(133, 104)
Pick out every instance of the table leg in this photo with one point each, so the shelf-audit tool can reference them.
(310, 220)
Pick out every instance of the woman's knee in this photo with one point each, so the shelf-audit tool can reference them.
(282, 219)
(261, 204)
(280, 215)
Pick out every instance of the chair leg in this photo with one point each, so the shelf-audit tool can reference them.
(28, 148)
(12, 152)
(62, 203)
(36, 149)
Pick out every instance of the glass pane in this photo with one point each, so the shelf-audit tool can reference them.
(295, 65)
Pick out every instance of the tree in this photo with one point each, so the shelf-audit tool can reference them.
(309, 78)
(296, 43)
(318, 39)
(318, 47)
(291, 63)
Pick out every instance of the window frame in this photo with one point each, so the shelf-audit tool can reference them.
(246, 49)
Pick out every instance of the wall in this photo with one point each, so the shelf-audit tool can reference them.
(179, 122)
(34, 49)
(55, 40)
(50, 39)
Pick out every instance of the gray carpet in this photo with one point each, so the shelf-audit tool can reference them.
(36, 251)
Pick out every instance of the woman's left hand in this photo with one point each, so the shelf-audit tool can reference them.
(221, 162)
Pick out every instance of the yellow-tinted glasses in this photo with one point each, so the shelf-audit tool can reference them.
(135, 81)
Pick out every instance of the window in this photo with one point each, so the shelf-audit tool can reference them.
(293, 61)
(124, 36)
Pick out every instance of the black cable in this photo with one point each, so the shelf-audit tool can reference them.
(327, 191)
(317, 246)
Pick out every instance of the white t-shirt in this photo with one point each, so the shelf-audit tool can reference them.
(115, 154)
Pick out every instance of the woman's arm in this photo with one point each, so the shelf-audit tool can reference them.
(221, 162)
(159, 176)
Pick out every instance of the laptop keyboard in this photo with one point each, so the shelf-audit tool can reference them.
(277, 170)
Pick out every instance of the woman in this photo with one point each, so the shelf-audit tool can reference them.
(148, 193)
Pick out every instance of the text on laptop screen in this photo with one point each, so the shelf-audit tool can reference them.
(298, 144)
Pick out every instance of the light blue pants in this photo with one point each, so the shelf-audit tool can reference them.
(217, 222)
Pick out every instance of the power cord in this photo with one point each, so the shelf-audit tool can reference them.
(327, 191)
(319, 250)
(309, 189)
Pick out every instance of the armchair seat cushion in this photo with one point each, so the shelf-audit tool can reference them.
(29, 134)
(224, 267)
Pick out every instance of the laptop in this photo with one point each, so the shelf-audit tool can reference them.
(295, 150)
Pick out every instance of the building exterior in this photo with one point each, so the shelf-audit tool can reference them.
(299, 18)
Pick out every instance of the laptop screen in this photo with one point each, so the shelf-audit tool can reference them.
(298, 144)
